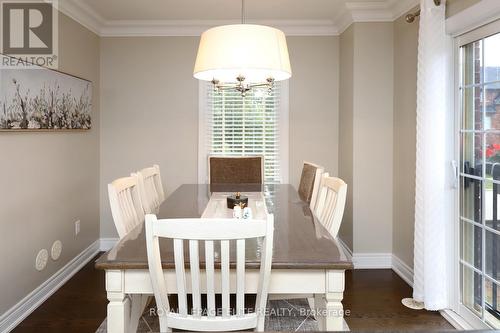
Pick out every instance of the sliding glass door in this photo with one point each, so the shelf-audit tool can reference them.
(479, 229)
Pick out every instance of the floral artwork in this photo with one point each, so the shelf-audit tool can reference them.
(36, 98)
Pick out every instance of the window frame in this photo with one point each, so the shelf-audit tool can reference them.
(283, 132)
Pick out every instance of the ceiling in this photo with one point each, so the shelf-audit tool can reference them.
(191, 17)
(216, 9)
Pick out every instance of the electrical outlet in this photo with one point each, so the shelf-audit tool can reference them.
(77, 227)
(41, 259)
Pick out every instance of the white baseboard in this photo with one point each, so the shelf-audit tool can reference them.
(372, 260)
(10, 319)
(107, 244)
(382, 261)
(403, 270)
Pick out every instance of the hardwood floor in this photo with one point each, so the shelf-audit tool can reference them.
(79, 306)
(372, 296)
(374, 299)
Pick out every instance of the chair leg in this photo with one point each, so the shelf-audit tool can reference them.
(310, 300)
(135, 312)
(138, 304)
(163, 324)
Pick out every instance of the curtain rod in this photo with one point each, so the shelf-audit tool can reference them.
(410, 18)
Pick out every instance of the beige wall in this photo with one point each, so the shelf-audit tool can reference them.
(405, 105)
(454, 7)
(366, 135)
(314, 110)
(150, 100)
(50, 180)
(151, 109)
(373, 137)
(346, 129)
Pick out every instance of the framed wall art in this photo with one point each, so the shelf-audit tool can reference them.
(38, 98)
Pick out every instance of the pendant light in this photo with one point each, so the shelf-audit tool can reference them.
(242, 56)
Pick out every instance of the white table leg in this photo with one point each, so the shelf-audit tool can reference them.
(118, 313)
(119, 303)
(329, 309)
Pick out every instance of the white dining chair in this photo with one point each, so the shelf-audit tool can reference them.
(309, 183)
(330, 203)
(328, 208)
(210, 231)
(310, 180)
(150, 189)
(236, 169)
(128, 213)
(126, 206)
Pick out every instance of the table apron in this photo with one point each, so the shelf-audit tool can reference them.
(283, 281)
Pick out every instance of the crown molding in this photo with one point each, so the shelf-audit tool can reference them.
(369, 11)
(401, 7)
(135, 28)
(381, 11)
(387, 11)
(82, 13)
(343, 19)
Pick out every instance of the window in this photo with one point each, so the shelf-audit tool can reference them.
(479, 225)
(257, 124)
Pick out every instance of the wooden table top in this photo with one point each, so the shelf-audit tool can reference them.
(300, 242)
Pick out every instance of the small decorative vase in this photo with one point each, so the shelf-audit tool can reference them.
(237, 212)
(247, 213)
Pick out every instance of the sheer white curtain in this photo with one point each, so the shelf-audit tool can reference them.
(434, 141)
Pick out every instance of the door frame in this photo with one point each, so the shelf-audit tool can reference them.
(472, 321)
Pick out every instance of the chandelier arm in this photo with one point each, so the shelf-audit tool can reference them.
(226, 86)
(234, 85)
(256, 85)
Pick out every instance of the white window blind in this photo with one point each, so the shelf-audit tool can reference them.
(246, 126)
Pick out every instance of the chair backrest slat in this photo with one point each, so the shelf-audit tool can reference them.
(210, 272)
(125, 203)
(224, 231)
(331, 201)
(240, 277)
(150, 188)
(224, 267)
(194, 266)
(180, 275)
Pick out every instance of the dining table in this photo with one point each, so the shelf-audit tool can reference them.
(307, 261)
